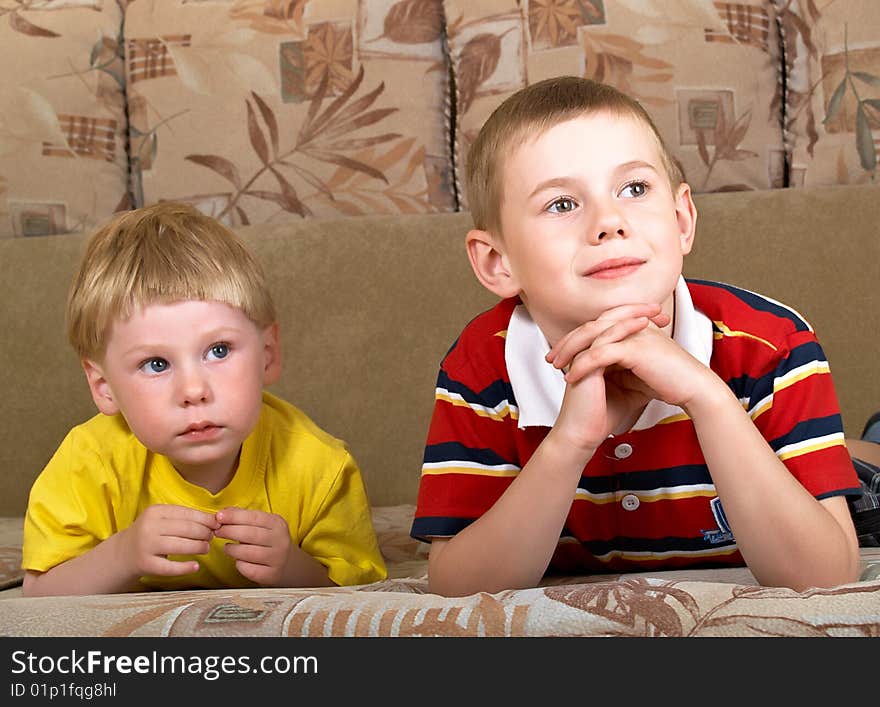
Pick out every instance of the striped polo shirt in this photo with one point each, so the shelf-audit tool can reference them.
(645, 499)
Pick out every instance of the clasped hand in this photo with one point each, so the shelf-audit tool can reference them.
(261, 547)
(614, 365)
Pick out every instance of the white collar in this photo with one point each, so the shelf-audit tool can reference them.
(538, 387)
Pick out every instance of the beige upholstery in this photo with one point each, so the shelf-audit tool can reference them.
(369, 307)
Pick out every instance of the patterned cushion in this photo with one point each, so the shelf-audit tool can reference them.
(705, 602)
(706, 71)
(63, 165)
(257, 111)
(832, 111)
(720, 603)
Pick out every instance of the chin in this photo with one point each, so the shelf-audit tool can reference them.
(205, 456)
(631, 293)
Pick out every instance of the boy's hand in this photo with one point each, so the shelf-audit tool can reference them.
(163, 530)
(262, 546)
(634, 357)
(601, 394)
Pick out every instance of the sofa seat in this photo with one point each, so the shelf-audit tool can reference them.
(706, 602)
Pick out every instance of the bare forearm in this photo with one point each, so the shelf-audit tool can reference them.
(785, 535)
(101, 570)
(511, 545)
(303, 570)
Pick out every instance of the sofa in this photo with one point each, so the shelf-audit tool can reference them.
(367, 309)
(271, 111)
(332, 136)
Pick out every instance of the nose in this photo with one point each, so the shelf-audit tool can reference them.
(193, 385)
(610, 223)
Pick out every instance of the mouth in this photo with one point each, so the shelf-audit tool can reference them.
(614, 267)
(201, 431)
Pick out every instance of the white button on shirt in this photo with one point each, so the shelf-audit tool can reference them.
(622, 451)
(630, 502)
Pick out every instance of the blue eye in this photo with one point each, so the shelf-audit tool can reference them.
(562, 205)
(218, 351)
(154, 365)
(635, 189)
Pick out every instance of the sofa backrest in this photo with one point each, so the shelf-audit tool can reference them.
(368, 307)
(259, 111)
(816, 250)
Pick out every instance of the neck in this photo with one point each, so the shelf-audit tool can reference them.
(212, 477)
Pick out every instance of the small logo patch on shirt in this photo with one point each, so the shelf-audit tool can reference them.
(722, 533)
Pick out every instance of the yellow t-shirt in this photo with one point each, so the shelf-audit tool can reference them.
(101, 478)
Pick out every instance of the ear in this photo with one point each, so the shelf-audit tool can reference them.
(490, 264)
(272, 352)
(686, 215)
(99, 387)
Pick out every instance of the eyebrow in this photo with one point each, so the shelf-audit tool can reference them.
(564, 181)
(156, 348)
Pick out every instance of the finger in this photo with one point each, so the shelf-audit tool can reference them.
(253, 554)
(163, 567)
(182, 546)
(576, 340)
(661, 320)
(599, 358)
(257, 573)
(242, 516)
(252, 535)
(186, 529)
(617, 331)
(621, 330)
(582, 337)
(171, 512)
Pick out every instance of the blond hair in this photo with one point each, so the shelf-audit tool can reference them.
(160, 254)
(530, 112)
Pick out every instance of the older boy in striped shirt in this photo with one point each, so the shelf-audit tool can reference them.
(607, 414)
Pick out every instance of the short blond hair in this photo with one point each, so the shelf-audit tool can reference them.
(530, 112)
(160, 254)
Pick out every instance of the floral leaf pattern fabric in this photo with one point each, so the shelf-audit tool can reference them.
(708, 72)
(832, 107)
(113, 104)
(307, 127)
(63, 160)
(684, 603)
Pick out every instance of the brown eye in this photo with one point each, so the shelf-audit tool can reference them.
(635, 189)
(562, 205)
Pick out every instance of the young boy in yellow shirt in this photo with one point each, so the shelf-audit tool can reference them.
(608, 415)
(192, 475)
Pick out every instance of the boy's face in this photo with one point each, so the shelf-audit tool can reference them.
(590, 222)
(188, 378)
